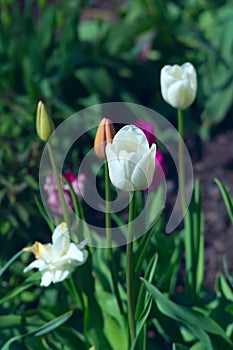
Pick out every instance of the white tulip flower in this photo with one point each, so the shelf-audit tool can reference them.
(179, 85)
(131, 161)
(57, 260)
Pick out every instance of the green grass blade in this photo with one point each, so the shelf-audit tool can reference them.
(226, 197)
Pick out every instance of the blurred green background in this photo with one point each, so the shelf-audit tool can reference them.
(74, 54)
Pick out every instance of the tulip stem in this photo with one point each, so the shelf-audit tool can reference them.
(109, 238)
(129, 267)
(181, 160)
(59, 186)
(75, 291)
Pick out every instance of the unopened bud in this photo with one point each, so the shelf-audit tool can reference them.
(44, 123)
(104, 134)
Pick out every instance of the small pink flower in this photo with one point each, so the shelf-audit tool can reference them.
(51, 190)
(160, 171)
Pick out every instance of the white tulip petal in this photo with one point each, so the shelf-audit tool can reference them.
(129, 138)
(128, 161)
(75, 253)
(175, 94)
(36, 264)
(116, 171)
(61, 246)
(59, 231)
(180, 95)
(110, 151)
(125, 185)
(144, 170)
(60, 275)
(46, 279)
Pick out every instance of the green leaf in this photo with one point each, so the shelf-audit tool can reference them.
(229, 309)
(115, 326)
(194, 245)
(143, 244)
(58, 321)
(15, 257)
(142, 322)
(226, 197)
(95, 79)
(199, 324)
(16, 291)
(223, 288)
(71, 338)
(218, 105)
(227, 272)
(31, 181)
(46, 27)
(94, 325)
(48, 327)
(142, 295)
(179, 347)
(9, 321)
(7, 345)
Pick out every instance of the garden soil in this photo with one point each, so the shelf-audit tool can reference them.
(216, 161)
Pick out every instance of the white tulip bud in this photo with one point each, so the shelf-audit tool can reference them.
(179, 85)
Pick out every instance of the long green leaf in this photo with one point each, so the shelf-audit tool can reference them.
(179, 347)
(142, 322)
(12, 294)
(142, 296)
(226, 197)
(199, 324)
(194, 246)
(48, 327)
(51, 325)
(9, 262)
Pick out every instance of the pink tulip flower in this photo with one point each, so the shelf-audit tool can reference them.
(51, 190)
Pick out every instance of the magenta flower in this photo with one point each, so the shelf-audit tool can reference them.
(160, 171)
(51, 190)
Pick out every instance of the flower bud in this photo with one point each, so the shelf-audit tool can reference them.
(179, 85)
(44, 123)
(104, 135)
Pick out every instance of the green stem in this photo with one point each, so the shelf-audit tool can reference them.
(129, 268)
(107, 207)
(59, 186)
(108, 225)
(76, 293)
(181, 160)
(9, 262)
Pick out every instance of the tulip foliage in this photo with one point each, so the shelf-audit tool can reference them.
(75, 296)
(77, 287)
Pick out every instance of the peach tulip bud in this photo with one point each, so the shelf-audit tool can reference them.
(104, 135)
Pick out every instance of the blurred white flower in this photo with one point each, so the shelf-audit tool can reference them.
(179, 85)
(57, 260)
(131, 161)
